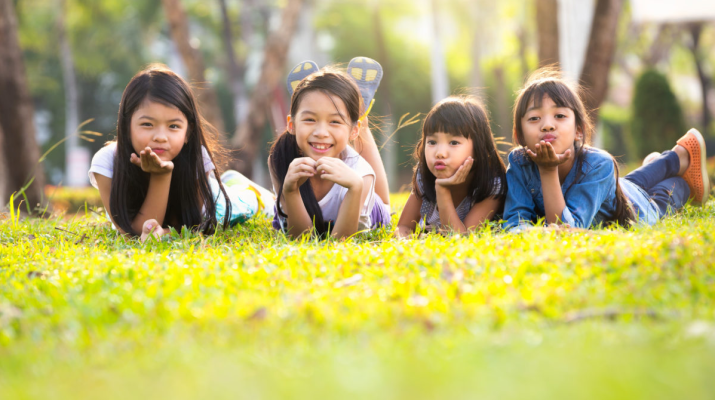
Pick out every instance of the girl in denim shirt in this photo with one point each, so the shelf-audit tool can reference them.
(458, 182)
(557, 175)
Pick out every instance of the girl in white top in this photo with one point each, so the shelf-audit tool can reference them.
(322, 183)
(156, 174)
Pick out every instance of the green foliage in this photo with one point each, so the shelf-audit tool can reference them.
(657, 119)
(87, 313)
(617, 139)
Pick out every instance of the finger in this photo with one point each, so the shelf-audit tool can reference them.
(551, 153)
(530, 153)
(566, 156)
(135, 160)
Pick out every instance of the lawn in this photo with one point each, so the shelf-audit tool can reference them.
(247, 313)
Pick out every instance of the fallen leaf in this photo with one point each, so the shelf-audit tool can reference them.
(349, 281)
(259, 315)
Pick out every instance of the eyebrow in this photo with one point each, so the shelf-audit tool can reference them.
(310, 112)
(154, 119)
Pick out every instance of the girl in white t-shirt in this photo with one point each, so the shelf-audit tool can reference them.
(322, 183)
(156, 174)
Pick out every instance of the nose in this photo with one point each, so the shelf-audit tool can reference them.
(160, 134)
(321, 130)
(547, 125)
(441, 152)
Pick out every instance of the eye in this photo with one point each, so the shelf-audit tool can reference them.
(174, 126)
(533, 118)
(455, 142)
(431, 142)
(561, 116)
(337, 121)
(145, 124)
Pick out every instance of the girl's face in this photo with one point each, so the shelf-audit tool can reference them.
(321, 125)
(445, 152)
(160, 127)
(552, 124)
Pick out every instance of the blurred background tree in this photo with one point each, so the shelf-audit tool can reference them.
(657, 119)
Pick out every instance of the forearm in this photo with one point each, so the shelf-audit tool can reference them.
(447, 213)
(367, 147)
(554, 202)
(349, 213)
(298, 221)
(155, 202)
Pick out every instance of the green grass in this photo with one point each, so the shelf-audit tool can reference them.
(250, 314)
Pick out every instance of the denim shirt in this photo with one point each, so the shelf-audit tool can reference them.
(590, 201)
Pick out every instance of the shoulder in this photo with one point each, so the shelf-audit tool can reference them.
(103, 163)
(208, 164)
(356, 162)
(597, 159)
(518, 157)
(105, 153)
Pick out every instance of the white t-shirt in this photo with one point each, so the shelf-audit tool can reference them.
(330, 204)
(103, 162)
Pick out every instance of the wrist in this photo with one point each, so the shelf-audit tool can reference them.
(543, 169)
(160, 175)
(356, 186)
(442, 190)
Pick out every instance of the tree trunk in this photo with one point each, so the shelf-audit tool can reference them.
(194, 61)
(388, 145)
(599, 54)
(3, 173)
(235, 67)
(695, 31)
(547, 26)
(20, 148)
(76, 157)
(248, 135)
(440, 79)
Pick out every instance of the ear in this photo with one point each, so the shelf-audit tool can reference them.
(579, 135)
(355, 132)
(289, 124)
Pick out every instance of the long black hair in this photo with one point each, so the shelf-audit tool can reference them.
(285, 149)
(463, 116)
(190, 192)
(547, 82)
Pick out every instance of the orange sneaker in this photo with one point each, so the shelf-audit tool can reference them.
(696, 175)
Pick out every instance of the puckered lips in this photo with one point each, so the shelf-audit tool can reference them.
(548, 138)
(320, 147)
(158, 150)
(440, 165)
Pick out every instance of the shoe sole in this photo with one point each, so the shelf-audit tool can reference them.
(300, 72)
(367, 73)
(703, 169)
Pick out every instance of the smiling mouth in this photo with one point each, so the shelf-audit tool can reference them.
(321, 147)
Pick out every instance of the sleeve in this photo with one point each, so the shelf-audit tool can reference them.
(584, 198)
(519, 205)
(102, 163)
(208, 164)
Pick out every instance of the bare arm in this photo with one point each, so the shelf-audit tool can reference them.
(367, 147)
(336, 171)
(548, 162)
(482, 212)
(152, 208)
(443, 188)
(298, 220)
(410, 216)
(104, 184)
